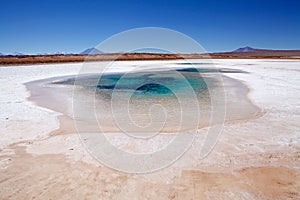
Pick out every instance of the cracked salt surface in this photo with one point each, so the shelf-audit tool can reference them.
(274, 88)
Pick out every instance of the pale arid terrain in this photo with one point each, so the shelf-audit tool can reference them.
(257, 158)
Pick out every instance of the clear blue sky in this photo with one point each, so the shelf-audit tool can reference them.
(39, 26)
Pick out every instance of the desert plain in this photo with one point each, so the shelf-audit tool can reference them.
(42, 156)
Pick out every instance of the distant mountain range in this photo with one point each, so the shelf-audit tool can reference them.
(240, 52)
(12, 54)
(254, 52)
(17, 54)
(244, 49)
(92, 51)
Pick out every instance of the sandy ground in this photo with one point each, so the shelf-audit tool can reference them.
(253, 159)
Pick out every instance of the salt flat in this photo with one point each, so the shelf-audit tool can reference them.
(253, 159)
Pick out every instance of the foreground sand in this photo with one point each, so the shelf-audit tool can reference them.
(254, 159)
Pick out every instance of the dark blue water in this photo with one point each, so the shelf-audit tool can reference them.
(146, 84)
